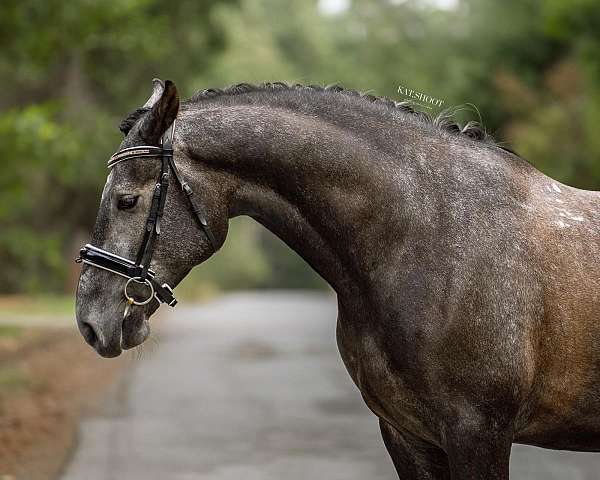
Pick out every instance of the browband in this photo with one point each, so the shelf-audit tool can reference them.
(134, 152)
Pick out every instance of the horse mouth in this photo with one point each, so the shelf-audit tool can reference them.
(135, 329)
(108, 335)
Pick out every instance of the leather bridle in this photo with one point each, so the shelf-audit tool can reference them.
(138, 271)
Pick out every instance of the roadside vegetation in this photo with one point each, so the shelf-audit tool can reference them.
(48, 379)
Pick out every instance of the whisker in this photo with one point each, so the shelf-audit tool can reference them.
(145, 350)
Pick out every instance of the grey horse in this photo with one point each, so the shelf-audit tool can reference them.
(467, 280)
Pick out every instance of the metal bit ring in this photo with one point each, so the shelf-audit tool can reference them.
(133, 301)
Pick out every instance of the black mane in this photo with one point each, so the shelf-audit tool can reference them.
(444, 120)
(128, 123)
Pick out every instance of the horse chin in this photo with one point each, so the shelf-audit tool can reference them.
(135, 330)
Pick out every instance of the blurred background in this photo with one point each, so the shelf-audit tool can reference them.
(72, 70)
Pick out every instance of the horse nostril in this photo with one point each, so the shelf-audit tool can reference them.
(88, 333)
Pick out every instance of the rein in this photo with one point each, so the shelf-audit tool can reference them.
(138, 271)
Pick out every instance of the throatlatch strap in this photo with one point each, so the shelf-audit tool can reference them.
(196, 208)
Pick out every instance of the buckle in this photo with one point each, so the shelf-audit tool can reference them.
(169, 290)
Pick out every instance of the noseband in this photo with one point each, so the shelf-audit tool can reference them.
(138, 271)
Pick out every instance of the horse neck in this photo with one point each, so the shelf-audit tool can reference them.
(320, 188)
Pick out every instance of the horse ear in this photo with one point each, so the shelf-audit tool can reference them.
(158, 87)
(162, 113)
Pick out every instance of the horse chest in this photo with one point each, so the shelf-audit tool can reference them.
(390, 392)
(385, 390)
(360, 356)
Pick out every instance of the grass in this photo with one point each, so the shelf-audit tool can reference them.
(12, 379)
(26, 311)
(11, 331)
(37, 305)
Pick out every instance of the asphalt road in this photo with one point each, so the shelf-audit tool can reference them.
(251, 386)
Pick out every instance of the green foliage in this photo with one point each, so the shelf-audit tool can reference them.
(240, 264)
(42, 151)
(286, 270)
(71, 70)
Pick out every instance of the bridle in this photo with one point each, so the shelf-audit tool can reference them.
(138, 271)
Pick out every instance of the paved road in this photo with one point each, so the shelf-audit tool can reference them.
(251, 386)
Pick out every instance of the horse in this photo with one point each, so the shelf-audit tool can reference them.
(467, 281)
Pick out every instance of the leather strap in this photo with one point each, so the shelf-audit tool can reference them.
(104, 260)
(195, 206)
(159, 197)
(142, 151)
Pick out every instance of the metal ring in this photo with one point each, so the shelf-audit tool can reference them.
(132, 300)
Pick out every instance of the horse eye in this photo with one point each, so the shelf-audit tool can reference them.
(127, 202)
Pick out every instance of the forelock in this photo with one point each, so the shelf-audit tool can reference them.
(127, 123)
